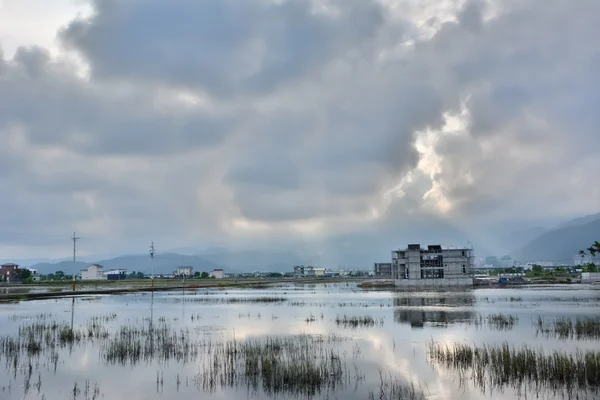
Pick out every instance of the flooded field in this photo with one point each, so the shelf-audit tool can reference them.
(323, 341)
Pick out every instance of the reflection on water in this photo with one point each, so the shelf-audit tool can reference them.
(418, 318)
(314, 341)
(436, 308)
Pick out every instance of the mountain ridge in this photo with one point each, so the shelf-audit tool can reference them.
(560, 245)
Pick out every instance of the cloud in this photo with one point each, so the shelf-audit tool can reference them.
(225, 47)
(244, 122)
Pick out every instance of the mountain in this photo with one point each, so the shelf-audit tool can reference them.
(518, 238)
(254, 260)
(45, 268)
(579, 221)
(162, 263)
(562, 244)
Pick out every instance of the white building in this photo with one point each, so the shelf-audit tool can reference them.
(93, 272)
(217, 274)
(590, 277)
(433, 266)
(184, 272)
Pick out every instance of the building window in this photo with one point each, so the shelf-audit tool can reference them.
(463, 253)
(406, 273)
(435, 273)
(464, 269)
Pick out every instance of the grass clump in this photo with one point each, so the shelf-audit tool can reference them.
(502, 321)
(497, 367)
(358, 321)
(567, 328)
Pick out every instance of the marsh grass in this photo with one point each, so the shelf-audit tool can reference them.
(498, 367)
(498, 321)
(392, 388)
(299, 365)
(567, 328)
(358, 321)
(230, 300)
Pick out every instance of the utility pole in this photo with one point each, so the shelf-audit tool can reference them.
(74, 239)
(152, 258)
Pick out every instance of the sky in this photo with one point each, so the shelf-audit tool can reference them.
(313, 124)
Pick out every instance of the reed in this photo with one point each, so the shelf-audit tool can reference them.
(567, 328)
(497, 367)
(358, 321)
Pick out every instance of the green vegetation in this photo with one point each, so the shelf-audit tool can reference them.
(501, 321)
(393, 389)
(567, 328)
(355, 322)
(498, 367)
(592, 250)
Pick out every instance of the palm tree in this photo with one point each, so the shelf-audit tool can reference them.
(582, 255)
(592, 250)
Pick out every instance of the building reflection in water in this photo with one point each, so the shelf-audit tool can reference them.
(438, 309)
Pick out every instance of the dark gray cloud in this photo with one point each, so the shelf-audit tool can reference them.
(223, 46)
(59, 108)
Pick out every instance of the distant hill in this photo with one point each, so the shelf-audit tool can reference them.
(254, 260)
(561, 244)
(64, 266)
(162, 263)
(519, 238)
(579, 221)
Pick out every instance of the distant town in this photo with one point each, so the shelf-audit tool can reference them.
(412, 266)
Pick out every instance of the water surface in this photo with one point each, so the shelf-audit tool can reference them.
(190, 344)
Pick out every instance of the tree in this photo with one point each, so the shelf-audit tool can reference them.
(25, 276)
(59, 275)
(204, 275)
(537, 269)
(591, 267)
(197, 274)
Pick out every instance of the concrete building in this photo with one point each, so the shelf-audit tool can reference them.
(300, 271)
(382, 270)
(94, 272)
(217, 274)
(433, 266)
(184, 272)
(590, 277)
(9, 272)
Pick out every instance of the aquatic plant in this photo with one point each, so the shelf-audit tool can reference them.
(567, 328)
(497, 367)
(358, 321)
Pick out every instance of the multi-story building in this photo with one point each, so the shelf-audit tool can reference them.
(92, 273)
(432, 266)
(9, 272)
(382, 270)
(184, 272)
(300, 271)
